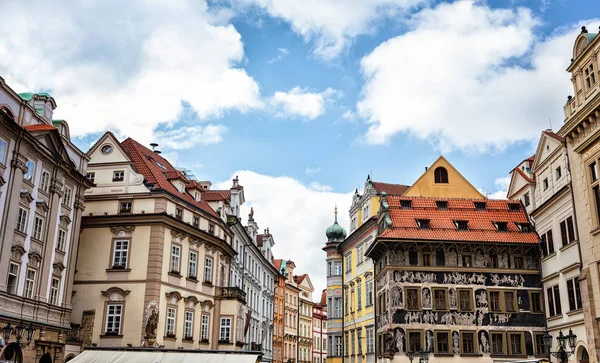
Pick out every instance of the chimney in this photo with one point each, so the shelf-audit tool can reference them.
(426, 168)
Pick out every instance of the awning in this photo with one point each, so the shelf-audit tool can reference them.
(116, 356)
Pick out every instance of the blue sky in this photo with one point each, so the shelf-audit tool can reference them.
(306, 98)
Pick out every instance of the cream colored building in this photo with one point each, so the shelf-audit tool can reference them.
(305, 318)
(154, 260)
(551, 210)
(41, 202)
(582, 133)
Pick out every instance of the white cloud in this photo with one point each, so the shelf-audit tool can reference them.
(123, 66)
(501, 191)
(312, 171)
(332, 24)
(298, 102)
(281, 52)
(297, 216)
(320, 187)
(188, 136)
(467, 77)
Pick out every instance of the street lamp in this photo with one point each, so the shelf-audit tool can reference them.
(562, 354)
(18, 330)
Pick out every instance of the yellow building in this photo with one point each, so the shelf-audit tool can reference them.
(358, 328)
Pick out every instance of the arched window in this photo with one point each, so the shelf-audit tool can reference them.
(441, 175)
(413, 257)
(440, 258)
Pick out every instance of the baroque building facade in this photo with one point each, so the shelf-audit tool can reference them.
(305, 318)
(42, 182)
(457, 276)
(154, 259)
(581, 132)
(546, 193)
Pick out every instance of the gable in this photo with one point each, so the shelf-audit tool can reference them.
(517, 182)
(116, 155)
(307, 284)
(457, 186)
(546, 147)
(51, 140)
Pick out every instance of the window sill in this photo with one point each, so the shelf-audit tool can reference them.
(170, 337)
(443, 354)
(175, 273)
(595, 231)
(471, 355)
(544, 259)
(60, 252)
(204, 341)
(188, 339)
(574, 312)
(207, 283)
(555, 317)
(23, 234)
(570, 244)
(111, 336)
(192, 279)
(225, 342)
(118, 269)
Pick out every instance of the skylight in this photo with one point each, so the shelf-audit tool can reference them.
(161, 165)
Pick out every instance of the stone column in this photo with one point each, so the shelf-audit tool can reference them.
(48, 249)
(216, 331)
(9, 222)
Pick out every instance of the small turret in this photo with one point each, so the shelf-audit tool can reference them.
(335, 233)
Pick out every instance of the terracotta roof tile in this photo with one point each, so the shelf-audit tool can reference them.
(260, 238)
(216, 195)
(390, 189)
(554, 135)
(39, 127)
(441, 221)
(300, 278)
(145, 161)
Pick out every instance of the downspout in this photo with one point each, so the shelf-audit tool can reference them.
(343, 311)
(573, 205)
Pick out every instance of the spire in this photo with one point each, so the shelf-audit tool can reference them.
(335, 213)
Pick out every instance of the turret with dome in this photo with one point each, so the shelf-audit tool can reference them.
(335, 233)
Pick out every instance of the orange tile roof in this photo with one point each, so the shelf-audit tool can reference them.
(145, 161)
(390, 189)
(554, 135)
(323, 298)
(277, 263)
(441, 222)
(300, 278)
(39, 127)
(216, 195)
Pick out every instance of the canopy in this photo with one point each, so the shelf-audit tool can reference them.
(116, 356)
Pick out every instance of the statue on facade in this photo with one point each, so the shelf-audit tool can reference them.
(455, 343)
(400, 341)
(151, 325)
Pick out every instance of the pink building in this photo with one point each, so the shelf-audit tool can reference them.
(320, 330)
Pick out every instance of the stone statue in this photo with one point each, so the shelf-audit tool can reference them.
(455, 343)
(151, 325)
(485, 346)
(251, 215)
(400, 341)
(426, 298)
(452, 294)
(429, 340)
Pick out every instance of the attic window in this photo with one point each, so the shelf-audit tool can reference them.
(161, 166)
(406, 204)
(440, 175)
(501, 226)
(525, 227)
(480, 205)
(441, 204)
(461, 225)
(423, 223)
(514, 207)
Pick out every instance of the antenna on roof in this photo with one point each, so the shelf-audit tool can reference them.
(154, 145)
(550, 120)
(157, 151)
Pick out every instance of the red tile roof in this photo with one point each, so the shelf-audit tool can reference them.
(277, 263)
(554, 135)
(300, 278)
(260, 237)
(323, 301)
(145, 161)
(390, 189)
(39, 127)
(442, 227)
(216, 195)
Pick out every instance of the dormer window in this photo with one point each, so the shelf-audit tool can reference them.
(197, 196)
(118, 175)
(161, 166)
(406, 204)
(440, 175)
(501, 226)
(462, 225)
(441, 204)
(590, 76)
(525, 227)
(480, 205)
(125, 207)
(514, 207)
(423, 223)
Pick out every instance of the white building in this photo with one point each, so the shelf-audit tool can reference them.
(546, 193)
(252, 269)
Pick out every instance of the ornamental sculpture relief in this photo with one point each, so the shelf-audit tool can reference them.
(452, 298)
(455, 343)
(426, 298)
(396, 297)
(484, 344)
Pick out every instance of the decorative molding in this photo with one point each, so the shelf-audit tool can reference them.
(177, 236)
(195, 243)
(25, 194)
(115, 293)
(2, 181)
(209, 249)
(79, 204)
(190, 301)
(41, 204)
(207, 305)
(58, 267)
(16, 162)
(17, 252)
(65, 218)
(56, 188)
(122, 231)
(173, 297)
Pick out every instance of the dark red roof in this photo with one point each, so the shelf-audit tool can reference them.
(300, 278)
(323, 301)
(441, 221)
(390, 189)
(277, 263)
(39, 127)
(145, 161)
(554, 135)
